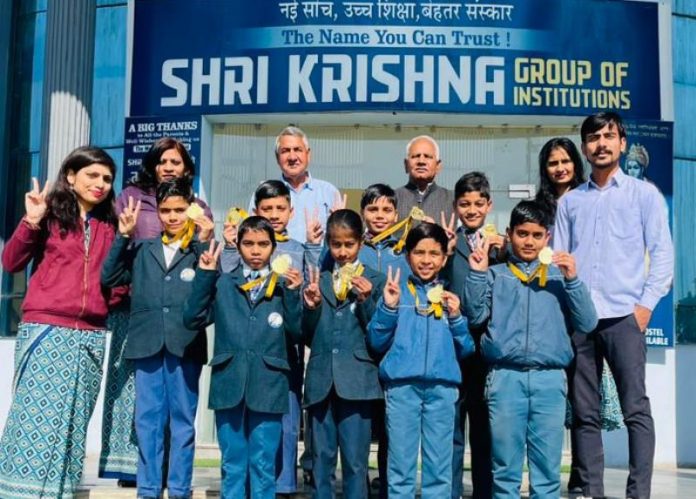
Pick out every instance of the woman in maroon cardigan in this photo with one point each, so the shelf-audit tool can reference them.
(67, 232)
(167, 159)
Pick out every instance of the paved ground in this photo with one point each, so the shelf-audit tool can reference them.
(667, 484)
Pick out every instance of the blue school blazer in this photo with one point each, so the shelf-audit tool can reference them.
(252, 339)
(157, 300)
(336, 334)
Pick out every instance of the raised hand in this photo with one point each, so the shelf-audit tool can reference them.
(478, 260)
(35, 202)
(209, 258)
(206, 228)
(315, 233)
(311, 292)
(293, 278)
(362, 287)
(128, 219)
(229, 234)
(450, 231)
(496, 241)
(451, 302)
(392, 289)
(340, 202)
(566, 263)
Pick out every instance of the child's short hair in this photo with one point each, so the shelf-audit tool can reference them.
(177, 187)
(375, 192)
(255, 223)
(426, 230)
(530, 211)
(345, 219)
(271, 189)
(472, 182)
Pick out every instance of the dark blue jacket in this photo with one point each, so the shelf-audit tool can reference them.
(335, 333)
(252, 340)
(418, 347)
(528, 326)
(157, 300)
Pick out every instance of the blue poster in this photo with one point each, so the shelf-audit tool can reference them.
(649, 158)
(528, 57)
(142, 132)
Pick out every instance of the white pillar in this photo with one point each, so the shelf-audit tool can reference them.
(67, 88)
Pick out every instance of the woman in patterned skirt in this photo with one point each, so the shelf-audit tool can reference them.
(66, 234)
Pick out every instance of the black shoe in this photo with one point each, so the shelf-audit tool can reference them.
(308, 479)
(127, 484)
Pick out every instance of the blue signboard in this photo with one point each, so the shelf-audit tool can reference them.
(649, 157)
(142, 132)
(538, 57)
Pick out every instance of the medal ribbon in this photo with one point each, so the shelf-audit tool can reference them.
(260, 281)
(185, 235)
(405, 224)
(342, 293)
(540, 272)
(434, 308)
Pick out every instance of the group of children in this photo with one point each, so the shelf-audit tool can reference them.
(408, 313)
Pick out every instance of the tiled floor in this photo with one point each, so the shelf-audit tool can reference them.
(667, 484)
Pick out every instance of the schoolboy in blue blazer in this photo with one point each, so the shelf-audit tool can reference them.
(256, 327)
(168, 356)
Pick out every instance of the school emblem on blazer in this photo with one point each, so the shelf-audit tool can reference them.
(187, 275)
(275, 320)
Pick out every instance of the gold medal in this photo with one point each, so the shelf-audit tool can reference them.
(236, 215)
(435, 294)
(489, 230)
(194, 211)
(546, 256)
(417, 214)
(281, 264)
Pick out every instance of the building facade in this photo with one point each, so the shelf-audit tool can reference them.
(73, 72)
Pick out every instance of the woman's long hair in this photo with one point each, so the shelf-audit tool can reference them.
(146, 179)
(547, 195)
(63, 207)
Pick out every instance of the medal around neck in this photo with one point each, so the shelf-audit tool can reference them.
(417, 214)
(194, 211)
(546, 256)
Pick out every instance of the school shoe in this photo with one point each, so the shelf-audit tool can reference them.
(127, 484)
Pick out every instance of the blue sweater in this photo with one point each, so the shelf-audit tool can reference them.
(529, 326)
(418, 347)
(380, 256)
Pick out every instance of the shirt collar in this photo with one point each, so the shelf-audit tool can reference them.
(518, 262)
(308, 184)
(617, 179)
(417, 281)
(248, 270)
(411, 186)
(175, 245)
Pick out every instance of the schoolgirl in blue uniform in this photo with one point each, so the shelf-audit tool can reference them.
(257, 322)
(341, 382)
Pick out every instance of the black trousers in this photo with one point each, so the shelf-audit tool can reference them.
(472, 407)
(621, 342)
